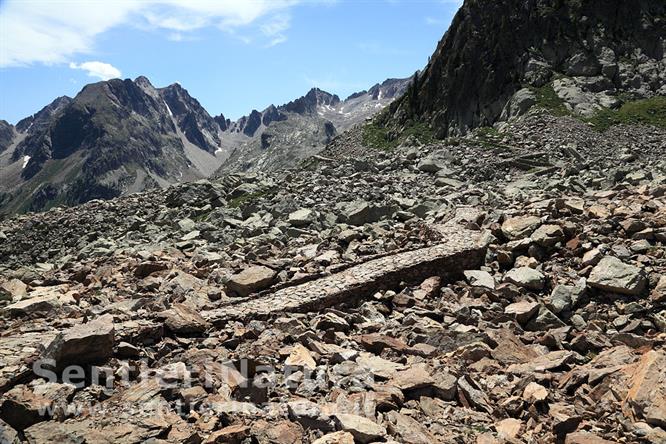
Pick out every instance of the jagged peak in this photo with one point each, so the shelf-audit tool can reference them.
(46, 111)
(143, 81)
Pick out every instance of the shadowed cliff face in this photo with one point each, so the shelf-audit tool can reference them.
(493, 49)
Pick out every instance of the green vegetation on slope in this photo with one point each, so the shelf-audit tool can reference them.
(547, 98)
(377, 136)
(246, 199)
(648, 111)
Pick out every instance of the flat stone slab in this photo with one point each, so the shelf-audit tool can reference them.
(458, 251)
(17, 352)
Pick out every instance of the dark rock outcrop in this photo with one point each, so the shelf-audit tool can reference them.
(613, 46)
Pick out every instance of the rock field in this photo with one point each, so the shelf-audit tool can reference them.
(503, 287)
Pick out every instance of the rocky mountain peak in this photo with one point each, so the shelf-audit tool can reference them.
(308, 103)
(42, 116)
(113, 137)
(144, 82)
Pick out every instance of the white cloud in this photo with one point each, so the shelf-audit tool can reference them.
(275, 28)
(52, 31)
(101, 70)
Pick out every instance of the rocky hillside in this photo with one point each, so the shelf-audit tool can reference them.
(113, 138)
(578, 57)
(281, 137)
(503, 287)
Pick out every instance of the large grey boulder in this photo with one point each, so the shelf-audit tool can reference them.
(360, 212)
(611, 274)
(526, 277)
(519, 104)
(302, 217)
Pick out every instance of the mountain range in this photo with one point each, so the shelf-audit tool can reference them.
(586, 59)
(122, 136)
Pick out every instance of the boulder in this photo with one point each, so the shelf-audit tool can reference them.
(526, 277)
(508, 428)
(611, 274)
(544, 320)
(431, 165)
(181, 318)
(21, 407)
(564, 297)
(659, 292)
(83, 343)
(646, 399)
(415, 377)
(309, 415)
(519, 104)
(471, 396)
(300, 357)
(534, 392)
(33, 307)
(251, 280)
(336, 438)
(363, 429)
(479, 278)
(520, 227)
(13, 290)
(302, 217)
(548, 235)
(564, 418)
(407, 429)
(523, 311)
(356, 212)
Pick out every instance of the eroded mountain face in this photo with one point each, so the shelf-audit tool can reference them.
(114, 137)
(586, 55)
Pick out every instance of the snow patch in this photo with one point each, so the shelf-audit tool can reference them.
(26, 159)
(168, 109)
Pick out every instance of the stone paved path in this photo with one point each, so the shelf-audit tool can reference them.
(457, 252)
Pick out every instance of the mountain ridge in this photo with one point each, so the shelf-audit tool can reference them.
(120, 136)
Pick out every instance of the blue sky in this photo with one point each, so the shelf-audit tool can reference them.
(232, 55)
